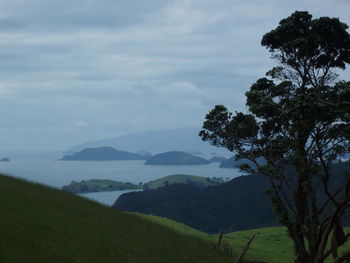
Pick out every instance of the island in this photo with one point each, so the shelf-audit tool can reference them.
(198, 181)
(176, 158)
(98, 185)
(103, 154)
(6, 159)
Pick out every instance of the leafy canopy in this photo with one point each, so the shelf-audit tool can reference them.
(299, 117)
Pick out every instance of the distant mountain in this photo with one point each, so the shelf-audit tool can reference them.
(102, 154)
(184, 139)
(217, 159)
(176, 158)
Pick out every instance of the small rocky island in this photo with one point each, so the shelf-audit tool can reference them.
(176, 158)
(103, 154)
(98, 185)
(6, 159)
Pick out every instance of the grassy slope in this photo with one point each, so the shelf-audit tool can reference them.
(270, 245)
(180, 228)
(39, 224)
(47, 225)
(183, 178)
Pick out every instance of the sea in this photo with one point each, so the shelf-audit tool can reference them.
(55, 173)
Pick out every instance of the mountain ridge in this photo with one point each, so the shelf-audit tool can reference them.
(156, 141)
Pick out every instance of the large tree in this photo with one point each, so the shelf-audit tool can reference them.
(299, 121)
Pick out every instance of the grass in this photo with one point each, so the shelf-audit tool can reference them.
(183, 178)
(270, 244)
(40, 224)
(180, 227)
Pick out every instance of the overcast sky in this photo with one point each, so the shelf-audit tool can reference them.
(74, 71)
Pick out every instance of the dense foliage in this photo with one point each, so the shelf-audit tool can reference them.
(299, 116)
(236, 205)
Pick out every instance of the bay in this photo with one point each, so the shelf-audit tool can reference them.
(106, 198)
(59, 173)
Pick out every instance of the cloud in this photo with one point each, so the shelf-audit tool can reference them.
(71, 72)
(81, 124)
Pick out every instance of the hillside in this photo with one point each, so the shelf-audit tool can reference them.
(97, 185)
(235, 205)
(176, 158)
(271, 244)
(198, 181)
(102, 154)
(48, 225)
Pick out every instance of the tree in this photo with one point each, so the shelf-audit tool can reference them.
(299, 121)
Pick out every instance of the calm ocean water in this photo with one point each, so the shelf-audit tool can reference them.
(59, 173)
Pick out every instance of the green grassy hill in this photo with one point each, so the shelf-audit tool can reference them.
(271, 244)
(199, 181)
(40, 224)
(98, 185)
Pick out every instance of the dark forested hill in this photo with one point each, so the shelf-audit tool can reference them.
(236, 205)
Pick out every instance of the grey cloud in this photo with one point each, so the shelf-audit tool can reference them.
(80, 70)
(70, 15)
